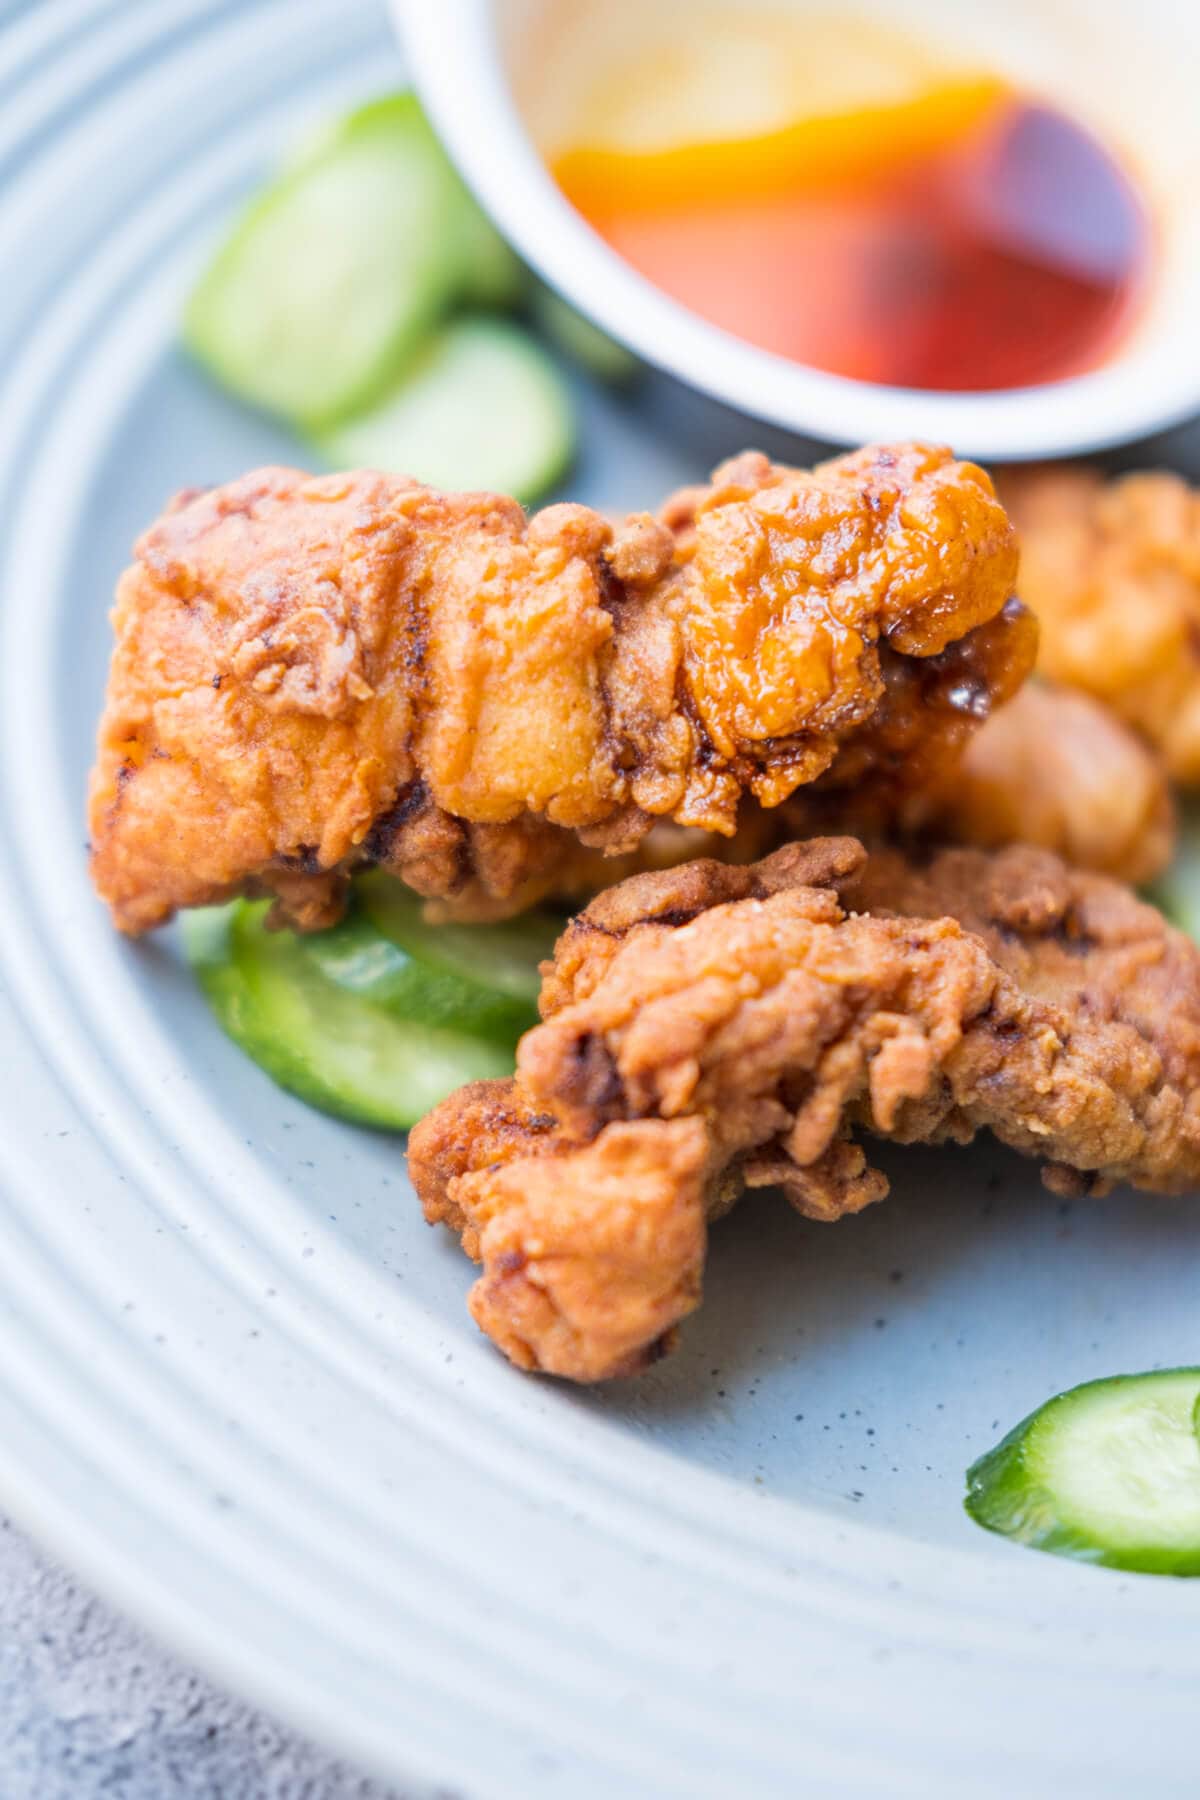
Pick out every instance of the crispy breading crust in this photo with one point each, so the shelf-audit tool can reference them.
(1051, 767)
(1055, 769)
(314, 672)
(713, 1027)
(1112, 568)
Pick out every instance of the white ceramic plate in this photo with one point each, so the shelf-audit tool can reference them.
(238, 1387)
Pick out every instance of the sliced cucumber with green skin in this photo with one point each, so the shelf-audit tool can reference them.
(492, 274)
(1177, 890)
(489, 272)
(497, 960)
(322, 1043)
(338, 270)
(481, 407)
(357, 956)
(1107, 1473)
(578, 338)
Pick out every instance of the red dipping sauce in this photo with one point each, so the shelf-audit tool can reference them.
(971, 239)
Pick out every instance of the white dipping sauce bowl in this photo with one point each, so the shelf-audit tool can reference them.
(482, 68)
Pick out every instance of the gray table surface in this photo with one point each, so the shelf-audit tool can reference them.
(89, 1707)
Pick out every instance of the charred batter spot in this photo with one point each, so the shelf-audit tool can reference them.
(611, 595)
(463, 861)
(592, 1080)
(584, 925)
(662, 1346)
(510, 1262)
(409, 803)
(125, 774)
(794, 1092)
(416, 635)
(216, 681)
(1070, 933)
(304, 860)
(672, 915)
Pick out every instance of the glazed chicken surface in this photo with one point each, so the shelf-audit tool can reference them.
(311, 673)
(712, 1028)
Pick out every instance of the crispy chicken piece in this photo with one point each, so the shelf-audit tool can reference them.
(1051, 767)
(1112, 569)
(1055, 768)
(314, 672)
(713, 1028)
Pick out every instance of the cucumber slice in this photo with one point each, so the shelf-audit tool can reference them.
(492, 274)
(390, 973)
(1177, 890)
(579, 339)
(481, 407)
(336, 272)
(492, 960)
(320, 1042)
(1107, 1473)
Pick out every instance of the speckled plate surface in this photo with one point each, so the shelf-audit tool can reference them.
(238, 1386)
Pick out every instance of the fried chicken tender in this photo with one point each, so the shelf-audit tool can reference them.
(715, 1028)
(1112, 569)
(1051, 767)
(1055, 768)
(311, 673)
